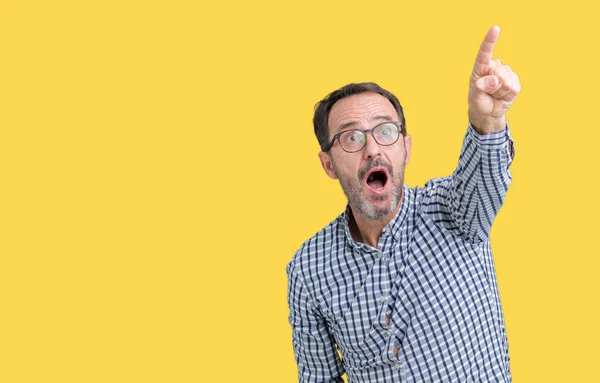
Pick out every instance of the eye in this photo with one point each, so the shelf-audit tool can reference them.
(352, 137)
(385, 131)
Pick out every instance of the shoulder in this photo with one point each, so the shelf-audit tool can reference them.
(431, 202)
(315, 254)
(435, 185)
(435, 194)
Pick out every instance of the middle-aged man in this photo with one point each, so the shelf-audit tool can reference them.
(402, 284)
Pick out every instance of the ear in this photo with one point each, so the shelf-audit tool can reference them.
(327, 164)
(407, 147)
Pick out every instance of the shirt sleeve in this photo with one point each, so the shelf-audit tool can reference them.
(314, 347)
(468, 201)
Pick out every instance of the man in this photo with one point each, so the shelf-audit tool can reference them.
(402, 284)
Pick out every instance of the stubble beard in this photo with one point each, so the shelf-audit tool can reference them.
(353, 188)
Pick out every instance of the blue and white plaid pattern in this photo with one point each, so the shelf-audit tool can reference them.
(432, 275)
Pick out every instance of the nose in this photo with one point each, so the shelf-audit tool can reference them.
(372, 148)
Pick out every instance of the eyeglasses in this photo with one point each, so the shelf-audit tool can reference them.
(352, 141)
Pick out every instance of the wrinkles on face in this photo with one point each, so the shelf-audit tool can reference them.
(360, 112)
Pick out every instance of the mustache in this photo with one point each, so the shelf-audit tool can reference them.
(362, 172)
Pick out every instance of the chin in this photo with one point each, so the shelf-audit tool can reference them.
(379, 209)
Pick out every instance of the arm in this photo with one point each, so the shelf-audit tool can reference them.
(314, 346)
(468, 201)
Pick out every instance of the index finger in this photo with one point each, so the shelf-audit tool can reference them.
(484, 57)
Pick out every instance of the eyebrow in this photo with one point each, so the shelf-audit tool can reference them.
(349, 124)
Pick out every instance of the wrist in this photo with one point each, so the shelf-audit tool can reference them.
(487, 124)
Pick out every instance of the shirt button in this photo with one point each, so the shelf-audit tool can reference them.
(398, 366)
(388, 333)
(379, 254)
(382, 298)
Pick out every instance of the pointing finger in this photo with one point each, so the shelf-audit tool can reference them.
(484, 57)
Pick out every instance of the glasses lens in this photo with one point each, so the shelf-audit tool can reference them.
(352, 140)
(386, 134)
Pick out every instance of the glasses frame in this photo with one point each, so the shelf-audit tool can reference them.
(337, 136)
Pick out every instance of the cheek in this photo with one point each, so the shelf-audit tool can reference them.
(348, 165)
(345, 171)
(396, 157)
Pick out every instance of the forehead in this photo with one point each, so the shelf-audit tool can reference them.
(362, 109)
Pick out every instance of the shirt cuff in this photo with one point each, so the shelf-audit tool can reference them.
(496, 139)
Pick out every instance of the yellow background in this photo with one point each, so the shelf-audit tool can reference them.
(158, 170)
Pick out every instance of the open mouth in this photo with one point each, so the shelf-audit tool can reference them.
(377, 179)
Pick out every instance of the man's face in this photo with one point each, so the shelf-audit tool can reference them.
(372, 178)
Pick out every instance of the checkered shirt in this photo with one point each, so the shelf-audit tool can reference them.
(431, 276)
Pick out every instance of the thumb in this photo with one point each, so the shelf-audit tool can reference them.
(488, 84)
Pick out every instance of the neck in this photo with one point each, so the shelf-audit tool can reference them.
(368, 230)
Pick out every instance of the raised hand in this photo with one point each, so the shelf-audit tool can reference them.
(493, 88)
